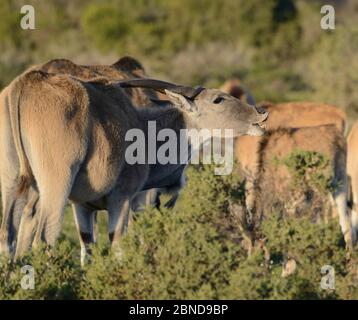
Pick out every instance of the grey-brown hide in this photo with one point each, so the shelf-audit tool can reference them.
(124, 68)
(69, 138)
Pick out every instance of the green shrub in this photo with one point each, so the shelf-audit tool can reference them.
(103, 276)
(57, 275)
(302, 187)
(186, 253)
(194, 252)
(312, 246)
(310, 169)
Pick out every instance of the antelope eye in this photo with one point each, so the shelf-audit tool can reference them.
(218, 100)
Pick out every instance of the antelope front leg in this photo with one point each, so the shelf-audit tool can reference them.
(85, 224)
(118, 216)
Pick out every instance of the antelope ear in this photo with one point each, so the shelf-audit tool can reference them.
(180, 101)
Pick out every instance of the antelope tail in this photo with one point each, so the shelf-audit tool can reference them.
(12, 101)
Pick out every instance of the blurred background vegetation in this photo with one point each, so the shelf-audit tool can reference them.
(276, 47)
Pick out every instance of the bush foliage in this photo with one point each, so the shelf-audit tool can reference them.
(193, 252)
(310, 169)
